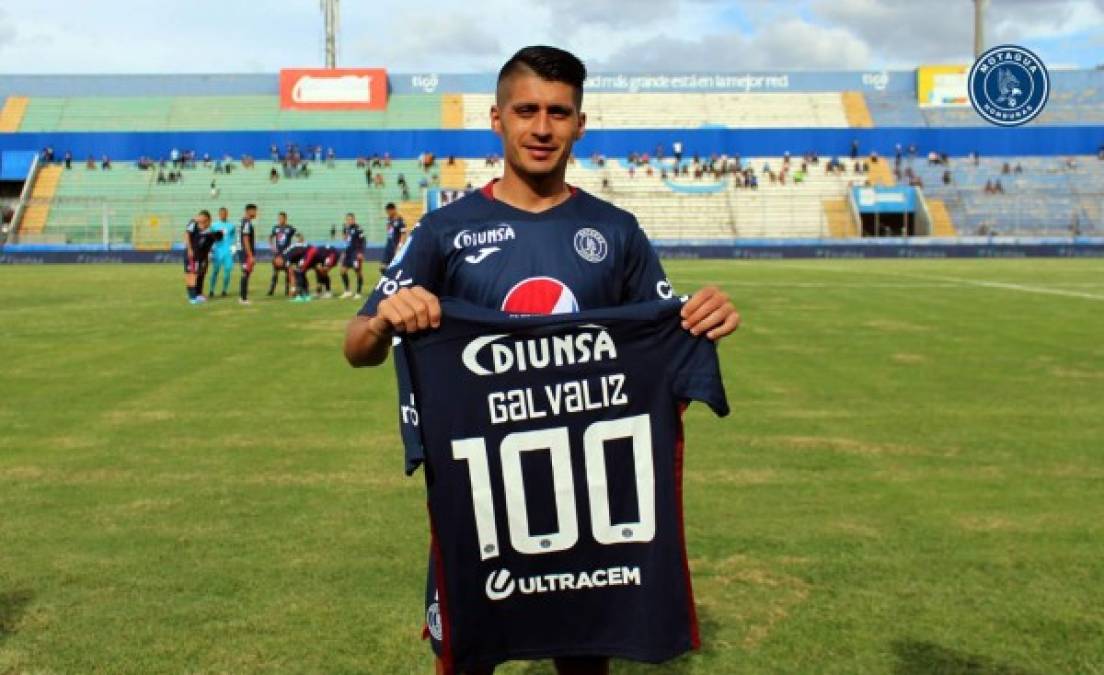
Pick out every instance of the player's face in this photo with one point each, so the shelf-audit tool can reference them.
(538, 122)
(223, 214)
(349, 220)
(251, 214)
(281, 219)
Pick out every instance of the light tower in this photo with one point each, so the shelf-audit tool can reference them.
(979, 26)
(332, 17)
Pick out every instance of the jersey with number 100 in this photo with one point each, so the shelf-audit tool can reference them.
(552, 449)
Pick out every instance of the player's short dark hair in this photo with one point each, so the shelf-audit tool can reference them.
(390, 205)
(549, 63)
(223, 208)
(282, 213)
(351, 214)
(250, 206)
(205, 212)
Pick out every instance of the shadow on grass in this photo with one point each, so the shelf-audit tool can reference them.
(927, 658)
(12, 605)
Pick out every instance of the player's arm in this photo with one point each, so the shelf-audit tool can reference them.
(188, 243)
(368, 338)
(709, 311)
(405, 301)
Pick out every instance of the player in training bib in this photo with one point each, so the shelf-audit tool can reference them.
(526, 244)
(222, 255)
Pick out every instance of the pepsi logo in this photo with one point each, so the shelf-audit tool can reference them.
(540, 295)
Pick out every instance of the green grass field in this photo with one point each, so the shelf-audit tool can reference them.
(912, 479)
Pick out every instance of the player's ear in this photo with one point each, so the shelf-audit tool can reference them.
(582, 126)
(496, 119)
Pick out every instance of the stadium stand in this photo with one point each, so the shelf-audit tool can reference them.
(185, 113)
(1049, 197)
(74, 211)
(659, 111)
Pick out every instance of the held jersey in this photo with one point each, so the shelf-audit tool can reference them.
(283, 235)
(225, 245)
(581, 254)
(552, 451)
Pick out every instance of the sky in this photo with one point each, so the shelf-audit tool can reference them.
(446, 36)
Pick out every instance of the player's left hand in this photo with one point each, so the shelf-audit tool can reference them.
(710, 312)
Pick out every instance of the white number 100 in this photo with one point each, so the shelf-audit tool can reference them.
(556, 442)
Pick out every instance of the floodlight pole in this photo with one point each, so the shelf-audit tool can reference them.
(979, 26)
(331, 14)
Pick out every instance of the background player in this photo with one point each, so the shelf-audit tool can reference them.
(395, 228)
(549, 261)
(198, 239)
(353, 257)
(248, 252)
(222, 255)
(280, 239)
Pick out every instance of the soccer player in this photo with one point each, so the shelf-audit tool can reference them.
(279, 240)
(248, 250)
(527, 243)
(353, 259)
(222, 255)
(198, 240)
(395, 228)
(302, 258)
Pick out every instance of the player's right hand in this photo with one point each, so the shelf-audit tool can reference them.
(192, 266)
(407, 311)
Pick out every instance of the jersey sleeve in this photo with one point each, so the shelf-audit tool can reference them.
(417, 263)
(644, 276)
(694, 370)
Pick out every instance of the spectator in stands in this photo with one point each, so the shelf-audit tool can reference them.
(48, 154)
(161, 176)
(933, 157)
(376, 160)
(361, 162)
(912, 150)
(1006, 169)
(1100, 153)
(68, 159)
(331, 157)
(379, 180)
(273, 176)
(676, 150)
(214, 190)
(947, 177)
(105, 164)
(855, 148)
(218, 166)
(274, 152)
(367, 176)
(247, 161)
(997, 187)
(387, 160)
(1018, 169)
(452, 160)
(333, 232)
(988, 187)
(753, 182)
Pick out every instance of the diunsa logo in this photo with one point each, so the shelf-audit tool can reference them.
(495, 235)
(492, 355)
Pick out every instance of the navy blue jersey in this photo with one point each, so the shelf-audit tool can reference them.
(395, 228)
(581, 254)
(201, 240)
(354, 238)
(296, 252)
(554, 481)
(283, 236)
(248, 237)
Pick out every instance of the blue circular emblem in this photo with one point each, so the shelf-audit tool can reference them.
(1008, 86)
(591, 245)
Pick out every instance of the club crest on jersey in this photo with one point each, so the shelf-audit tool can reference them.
(540, 295)
(496, 354)
(433, 621)
(591, 245)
